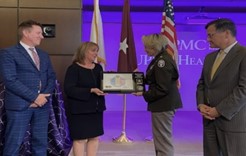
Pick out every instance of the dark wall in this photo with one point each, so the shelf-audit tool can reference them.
(65, 14)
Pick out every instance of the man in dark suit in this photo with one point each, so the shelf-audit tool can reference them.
(221, 92)
(29, 80)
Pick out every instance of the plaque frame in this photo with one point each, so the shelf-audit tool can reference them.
(122, 82)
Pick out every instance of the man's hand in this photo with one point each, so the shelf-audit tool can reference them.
(206, 111)
(213, 113)
(41, 99)
(33, 105)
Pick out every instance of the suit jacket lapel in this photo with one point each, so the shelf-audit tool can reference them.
(26, 55)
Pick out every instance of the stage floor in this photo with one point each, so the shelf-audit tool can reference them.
(187, 129)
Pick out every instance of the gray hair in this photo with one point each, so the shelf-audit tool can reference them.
(155, 41)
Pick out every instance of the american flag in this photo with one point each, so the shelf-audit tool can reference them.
(168, 29)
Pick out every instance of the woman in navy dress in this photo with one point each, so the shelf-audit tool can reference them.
(85, 101)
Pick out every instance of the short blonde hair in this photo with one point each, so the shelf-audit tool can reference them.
(154, 41)
(79, 55)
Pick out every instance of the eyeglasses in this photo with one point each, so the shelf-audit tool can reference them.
(211, 35)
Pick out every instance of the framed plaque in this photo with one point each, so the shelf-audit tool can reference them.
(122, 82)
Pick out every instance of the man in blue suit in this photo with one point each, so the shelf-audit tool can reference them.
(29, 81)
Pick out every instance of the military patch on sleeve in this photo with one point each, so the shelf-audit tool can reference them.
(161, 63)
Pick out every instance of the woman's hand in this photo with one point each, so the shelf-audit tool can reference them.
(97, 91)
(138, 93)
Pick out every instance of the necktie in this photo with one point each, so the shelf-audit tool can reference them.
(217, 62)
(35, 58)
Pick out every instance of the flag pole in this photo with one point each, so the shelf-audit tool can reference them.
(123, 138)
(127, 61)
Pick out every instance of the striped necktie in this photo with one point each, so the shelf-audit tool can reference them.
(217, 62)
(35, 58)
